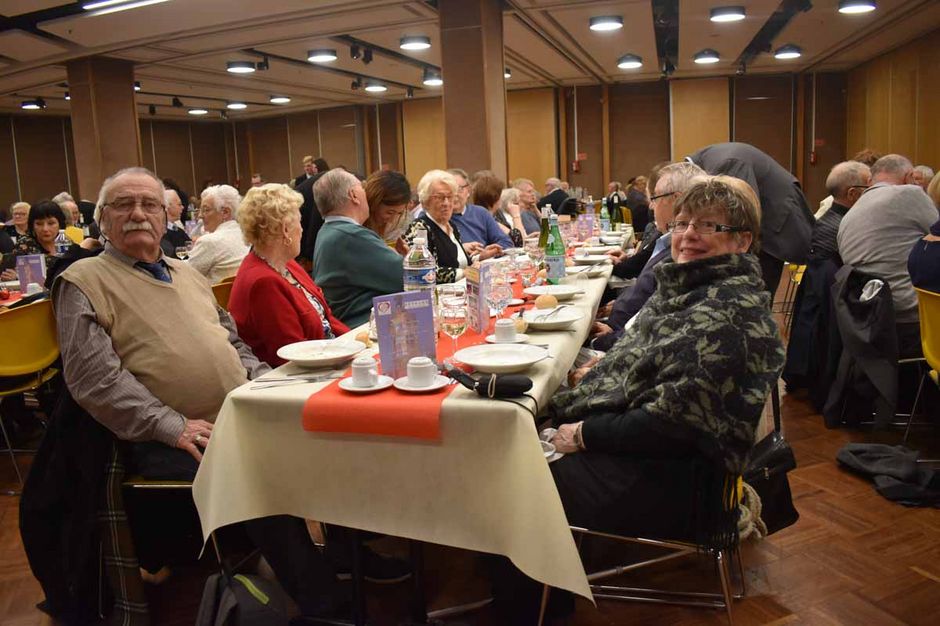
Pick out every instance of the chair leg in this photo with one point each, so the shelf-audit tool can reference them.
(910, 419)
(724, 574)
(737, 553)
(16, 468)
(544, 604)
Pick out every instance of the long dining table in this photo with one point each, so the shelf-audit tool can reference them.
(484, 485)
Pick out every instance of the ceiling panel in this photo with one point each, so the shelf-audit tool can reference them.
(537, 51)
(697, 32)
(23, 46)
(12, 8)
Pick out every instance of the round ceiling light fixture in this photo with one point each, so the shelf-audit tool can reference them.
(432, 78)
(321, 55)
(630, 62)
(240, 67)
(33, 105)
(67, 96)
(706, 57)
(414, 42)
(198, 111)
(375, 87)
(279, 100)
(855, 7)
(605, 23)
(507, 73)
(236, 106)
(788, 51)
(727, 14)
(136, 85)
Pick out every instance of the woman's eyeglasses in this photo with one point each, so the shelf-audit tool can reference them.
(704, 228)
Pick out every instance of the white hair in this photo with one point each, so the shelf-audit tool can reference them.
(844, 175)
(925, 170)
(62, 197)
(223, 196)
(432, 178)
(507, 197)
(892, 168)
(109, 183)
(331, 191)
(167, 197)
(554, 183)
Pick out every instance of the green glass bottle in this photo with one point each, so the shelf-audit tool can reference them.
(544, 226)
(555, 252)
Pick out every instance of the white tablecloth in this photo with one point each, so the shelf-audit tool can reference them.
(484, 486)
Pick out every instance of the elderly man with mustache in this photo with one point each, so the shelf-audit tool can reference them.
(148, 353)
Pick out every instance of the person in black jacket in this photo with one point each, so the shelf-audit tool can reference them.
(555, 196)
(310, 170)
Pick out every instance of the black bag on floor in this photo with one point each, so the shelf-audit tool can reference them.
(766, 471)
(241, 600)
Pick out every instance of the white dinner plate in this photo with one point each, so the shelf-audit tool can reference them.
(439, 382)
(590, 259)
(384, 382)
(520, 338)
(557, 321)
(612, 241)
(501, 358)
(600, 249)
(561, 292)
(321, 352)
(591, 272)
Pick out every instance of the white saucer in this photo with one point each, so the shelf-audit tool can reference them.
(520, 338)
(384, 382)
(439, 382)
(516, 302)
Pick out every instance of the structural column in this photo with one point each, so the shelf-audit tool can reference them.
(105, 129)
(474, 92)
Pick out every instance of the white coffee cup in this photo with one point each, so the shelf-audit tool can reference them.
(505, 331)
(421, 371)
(364, 372)
(33, 288)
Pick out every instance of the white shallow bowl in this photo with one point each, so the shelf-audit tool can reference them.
(558, 321)
(592, 272)
(501, 358)
(612, 240)
(321, 352)
(599, 249)
(590, 259)
(561, 292)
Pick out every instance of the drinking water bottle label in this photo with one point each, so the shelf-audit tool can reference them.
(420, 278)
(555, 268)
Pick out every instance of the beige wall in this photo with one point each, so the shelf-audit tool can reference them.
(533, 150)
(894, 102)
(699, 114)
(423, 132)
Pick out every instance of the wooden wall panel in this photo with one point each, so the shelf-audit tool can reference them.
(269, 155)
(928, 100)
(208, 157)
(40, 151)
(856, 107)
(388, 122)
(530, 125)
(341, 138)
(423, 137)
(146, 145)
(639, 128)
(9, 192)
(829, 140)
(878, 103)
(304, 139)
(590, 141)
(763, 114)
(699, 114)
(173, 156)
(70, 155)
(239, 155)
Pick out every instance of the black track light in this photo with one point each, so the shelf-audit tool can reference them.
(263, 64)
(152, 109)
(367, 56)
(355, 52)
(177, 103)
(410, 92)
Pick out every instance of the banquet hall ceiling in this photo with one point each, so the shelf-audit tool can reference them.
(181, 47)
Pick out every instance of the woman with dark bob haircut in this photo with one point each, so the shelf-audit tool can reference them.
(388, 194)
(45, 221)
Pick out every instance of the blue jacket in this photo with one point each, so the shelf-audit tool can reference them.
(476, 224)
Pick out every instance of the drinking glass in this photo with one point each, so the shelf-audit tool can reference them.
(499, 292)
(452, 310)
(182, 252)
(527, 273)
(535, 252)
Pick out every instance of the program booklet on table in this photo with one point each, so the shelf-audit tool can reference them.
(31, 268)
(404, 323)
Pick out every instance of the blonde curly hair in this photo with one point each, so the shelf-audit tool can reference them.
(264, 211)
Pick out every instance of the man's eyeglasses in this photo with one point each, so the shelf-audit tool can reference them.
(862, 187)
(126, 205)
(661, 195)
(441, 198)
(704, 228)
(464, 186)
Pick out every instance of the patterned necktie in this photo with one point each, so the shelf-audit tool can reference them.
(157, 270)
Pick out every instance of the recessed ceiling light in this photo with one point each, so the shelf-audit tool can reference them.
(706, 56)
(629, 62)
(240, 67)
(414, 42)
(727, 14)
(198, 111)
(67, 96)
(851, 7)
(136, 85)
(507, 73)
(33, 105)
(103, 7)
(788, 51)
(375, 87)
(322, 55)
(279, 100)
(758, 98)
(432, 78)
(236, 106)
(606, 22)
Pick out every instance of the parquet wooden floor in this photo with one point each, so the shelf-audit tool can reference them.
(853, 558)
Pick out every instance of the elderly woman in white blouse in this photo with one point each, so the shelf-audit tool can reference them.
(218, 254)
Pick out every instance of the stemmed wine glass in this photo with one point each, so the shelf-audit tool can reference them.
(499, 291)
(452, 311)
(182, 252)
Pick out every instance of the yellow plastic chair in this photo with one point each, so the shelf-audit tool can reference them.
(30, 348)
(928, 304)
(222, 292)
(74, 233)
(627, 215)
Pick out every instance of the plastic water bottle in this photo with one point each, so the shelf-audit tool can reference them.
(420, 268)
(555, 253)
(605, 216)
(62, 243)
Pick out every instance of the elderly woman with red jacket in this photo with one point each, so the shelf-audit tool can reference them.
(274, 301)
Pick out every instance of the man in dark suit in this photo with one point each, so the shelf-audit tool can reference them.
(175, 236)
(786, 221)
(310, 217)
(554, 195)
(310, 170)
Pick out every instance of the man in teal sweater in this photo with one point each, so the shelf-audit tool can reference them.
(351, 263)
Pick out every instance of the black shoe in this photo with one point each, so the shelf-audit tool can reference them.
(383, 570)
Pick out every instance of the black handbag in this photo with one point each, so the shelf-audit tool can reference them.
(766, 471)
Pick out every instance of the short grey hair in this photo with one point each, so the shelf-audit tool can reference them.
(844, 175)
(925, 171)
(519, 182)
(456, 171)
(432, 178)
(331, 191)
(108, 183)
(65, 196)
(679, 176)
(507, 197)
(224, 196)
(554, 182)
(167, 198)
(892, 167)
